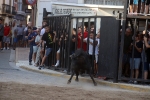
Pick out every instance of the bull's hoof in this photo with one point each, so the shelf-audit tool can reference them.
(68, 82)
(77, 80)
(95, 84)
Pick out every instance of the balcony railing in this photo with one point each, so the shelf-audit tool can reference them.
(13, 11)
(6, 8)
(105, 2)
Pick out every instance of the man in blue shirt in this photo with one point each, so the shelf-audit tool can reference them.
(31, 40)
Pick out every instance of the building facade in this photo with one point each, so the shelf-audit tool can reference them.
(7, 10)
(78, 8)
(12, 10)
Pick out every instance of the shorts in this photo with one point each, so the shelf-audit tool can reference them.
(58, 50)
(136, 63)
(147, 66)
(96, 59)
(147, 2)
(48, 51)
(15, 40)
(135, 2)
(19, 37)
(91, 60)
(35, 48)
(1, 38)
(6, 39)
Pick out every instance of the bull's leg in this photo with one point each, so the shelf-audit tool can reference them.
(69, 81)
(77, 74)
(93, 79)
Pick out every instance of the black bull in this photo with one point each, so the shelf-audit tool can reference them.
(80, 62)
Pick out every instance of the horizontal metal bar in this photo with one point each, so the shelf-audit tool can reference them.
(128, 79)
(57, 16)
(93, 17)
(138, 17)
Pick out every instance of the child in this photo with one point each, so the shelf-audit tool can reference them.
(147, 6)
(91, 44)
(136, 58)
(133, 6)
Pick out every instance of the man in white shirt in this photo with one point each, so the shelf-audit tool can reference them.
(37, 49)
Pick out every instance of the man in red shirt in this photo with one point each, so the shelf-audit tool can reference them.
(6, 38)
(85, 35)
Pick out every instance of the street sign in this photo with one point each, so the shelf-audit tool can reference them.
(31, 2)
(28, 10)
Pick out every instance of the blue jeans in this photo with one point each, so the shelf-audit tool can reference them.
(30, 53)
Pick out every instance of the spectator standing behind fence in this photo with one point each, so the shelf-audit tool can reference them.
(6, 38)
(143, 7)
(73, 41)
(147, 52)
(85, 35)
(37, 48)
(34, 44)
(1, 33)
(147, 6)
(91, 44)
(133, 6)
(49, 38)
(41, 34)
(19, 31)
(126, 50)
(60, 42)
(31, 40)
(25, 35)
(97, 53)
(136, 61)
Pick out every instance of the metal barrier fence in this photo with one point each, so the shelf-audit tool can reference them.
(110, 50)
(135, 21)
(64, 24)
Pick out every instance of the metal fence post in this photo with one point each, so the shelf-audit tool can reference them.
(122, 39)
(69, 42)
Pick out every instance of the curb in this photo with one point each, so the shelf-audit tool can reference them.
(99, 82)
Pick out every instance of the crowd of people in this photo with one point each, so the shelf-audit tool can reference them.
(41, 41)
(136, 55)
(139, 6)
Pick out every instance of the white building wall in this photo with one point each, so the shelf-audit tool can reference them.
(79, 9)
(6, 2)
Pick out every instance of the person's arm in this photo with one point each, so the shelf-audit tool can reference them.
(33, 38)
(54, 39)
(138, 49)
(85, 40)
(36, 40)
(146, 43)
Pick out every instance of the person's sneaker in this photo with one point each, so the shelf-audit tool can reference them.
(135, 82)
(130, 81)
(40, 67)
(30, 63)
(4, 48)
(8, 48)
